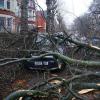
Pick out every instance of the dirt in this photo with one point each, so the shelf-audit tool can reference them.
(25, 79)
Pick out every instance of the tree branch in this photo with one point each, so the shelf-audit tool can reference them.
(22, 93)
(79, 43)
(66, 59)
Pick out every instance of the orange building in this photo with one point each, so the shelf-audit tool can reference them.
(40, 21)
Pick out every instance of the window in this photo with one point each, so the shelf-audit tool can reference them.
(30, 13)
(9, 21)
(1, 3)
(30, 3)
(1, 23)
(9, 24)
(8, 4)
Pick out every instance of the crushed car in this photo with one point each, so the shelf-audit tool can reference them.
(44, 63)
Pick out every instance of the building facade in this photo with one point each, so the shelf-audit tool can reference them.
(31, 14)
(8, 15)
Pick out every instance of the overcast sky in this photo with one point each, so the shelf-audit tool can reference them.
(77, 7)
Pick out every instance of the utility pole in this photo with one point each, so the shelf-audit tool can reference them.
(24, 16)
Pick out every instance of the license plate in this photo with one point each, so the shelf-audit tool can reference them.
(45, 63)
(38, 63)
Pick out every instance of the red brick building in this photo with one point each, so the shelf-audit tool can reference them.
(40, 21)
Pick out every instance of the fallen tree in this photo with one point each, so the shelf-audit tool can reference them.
(70, 84)
(81, 44)
(59, 56)
(49, 88)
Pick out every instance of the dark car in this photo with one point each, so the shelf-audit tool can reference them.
(44, 63)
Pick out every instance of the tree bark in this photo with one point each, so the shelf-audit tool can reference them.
(24, 16)
(51, 7)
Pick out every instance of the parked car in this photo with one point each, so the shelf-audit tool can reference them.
(44, 63)
(96, 41)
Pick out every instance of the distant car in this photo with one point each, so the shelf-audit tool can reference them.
(44, 63)
(96, 41)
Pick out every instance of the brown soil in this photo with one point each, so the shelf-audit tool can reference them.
(25, 79)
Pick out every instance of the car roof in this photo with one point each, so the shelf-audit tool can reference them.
(44, 56)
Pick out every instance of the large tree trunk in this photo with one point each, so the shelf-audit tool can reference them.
(24, 16)
(51, 8)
